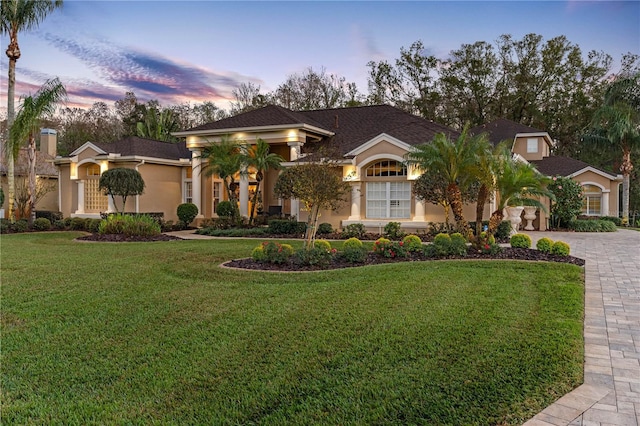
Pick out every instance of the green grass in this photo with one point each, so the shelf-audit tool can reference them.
(158, 333)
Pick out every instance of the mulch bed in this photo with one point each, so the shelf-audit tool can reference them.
(507, 253)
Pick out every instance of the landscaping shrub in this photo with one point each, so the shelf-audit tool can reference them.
(544, 245)
(353, 251)
(412, 243)
(520, 241)
(560, 248)
(393, 231)
(276, 252)
(458, 245)
(224, 209)
(614, 219)
(187, 212)
(286, 227)
(138, 226)
(324, 229)
(568, 202)
(387, 248)
(317, 255)
(258, 254)
(442, 244)
(488, 239)
(78, 224)
(59, 225)
(486, 244)
(436, 228)
(503, 232)
(20, 225)
(592, 226)
(92, 225)
(5, 226)
(48, 214)
(355, 230)
(42, 224)
(322, 244)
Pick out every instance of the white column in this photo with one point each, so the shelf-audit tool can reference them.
(196, 181)
(111, 207)
(419, 211)
(604, 204)
(80, 206)
(244, 195)
(355, 201)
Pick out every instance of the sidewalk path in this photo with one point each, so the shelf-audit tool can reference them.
(610, 394)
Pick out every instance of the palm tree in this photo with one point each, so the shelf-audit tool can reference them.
(517, 184)
(259, 158)
(456, 162)
(617, 124)
(17, 16)
(27, 124)
(158, 125)
(224, 159)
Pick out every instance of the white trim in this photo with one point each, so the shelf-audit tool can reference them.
(253, 129)
(602, 188)
(153, 160)
(596, 171)
(382, 137)
(86, 145)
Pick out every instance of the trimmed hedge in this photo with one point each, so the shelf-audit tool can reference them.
(596, 225)
(286, 227)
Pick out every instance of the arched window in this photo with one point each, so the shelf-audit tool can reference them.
(386, 168)
(591, 200)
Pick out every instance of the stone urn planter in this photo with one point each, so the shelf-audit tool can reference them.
(530, 216)
(514, 217)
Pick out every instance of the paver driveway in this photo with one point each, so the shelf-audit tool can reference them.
(610, 394)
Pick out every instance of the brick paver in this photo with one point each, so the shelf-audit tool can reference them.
(610, 394)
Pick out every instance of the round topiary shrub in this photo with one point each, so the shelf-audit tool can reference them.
(353, 251)
(258, 253)
(187, 212)
(490, 239)
(544, 245)
(323, 244)
(324, 229)
(352, 243)
(20, 226)
(520, 241)
(458, 245)
(224, 209)
(412, 243)
(560, 248)
(442, 244)
(42, 224)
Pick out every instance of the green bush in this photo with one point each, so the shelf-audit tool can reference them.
(225, 209)
(442, 244)
(560, 248)
(393, 231)
(42, 224)
(129, 225)
(286, 227)
(5, 226)
(78, 224)
(412, 243)
(387, 248)
(322, 244)
(187, 212)
(353, 251)
(520, 241)
(352, 243)
(458, 245)
(92, 225)
(20, 226)
(258, 254)
(568, 200)
(59, 225)
(592, 225)
(47, 214)
(544, 245)
(314, 256)
(614, 219)
(276, 252)
(503, 233)
(355, 230)
(324, 229)
(488, 239)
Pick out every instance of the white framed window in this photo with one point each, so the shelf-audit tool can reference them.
(388, 200)
(216, 195)
(187, 185)
(532, 145)
(591, 200)
(386, 168)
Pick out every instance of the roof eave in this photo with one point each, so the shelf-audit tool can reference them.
(254, 129)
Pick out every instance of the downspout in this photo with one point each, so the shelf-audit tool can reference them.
(138, 196)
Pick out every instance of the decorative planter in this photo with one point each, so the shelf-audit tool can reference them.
(530, 216)
(514, 217)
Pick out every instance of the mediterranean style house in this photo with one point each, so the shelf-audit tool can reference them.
(371, 142)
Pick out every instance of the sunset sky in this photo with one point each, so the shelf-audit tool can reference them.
(192, 51)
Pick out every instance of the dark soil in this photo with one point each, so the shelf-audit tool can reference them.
(120, 238)
(506, 253)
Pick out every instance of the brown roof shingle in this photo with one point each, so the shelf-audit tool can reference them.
(135, 146)
(502, 129)
(563, 166)
(44, 164)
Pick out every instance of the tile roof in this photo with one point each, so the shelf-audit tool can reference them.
(135, 146)
(563, 166)
(351, 126)
(44, 165)
(502, 129)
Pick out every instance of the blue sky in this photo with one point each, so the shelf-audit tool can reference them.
(192, 51)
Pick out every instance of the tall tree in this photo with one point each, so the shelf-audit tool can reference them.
(27, 124)
(617, 124)
(131, 112)
(247, 97)
(258, 158)
(158, 123)
(121, 182)
(17, 16)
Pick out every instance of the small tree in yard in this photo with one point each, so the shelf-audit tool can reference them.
(121, 182)
(187, 212)
(568, 203)
(318, 185)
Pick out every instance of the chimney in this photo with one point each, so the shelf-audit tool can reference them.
(48, 141)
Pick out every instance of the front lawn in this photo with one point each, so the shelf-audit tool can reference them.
(157, 333)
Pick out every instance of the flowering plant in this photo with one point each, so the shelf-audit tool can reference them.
(388, 248)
